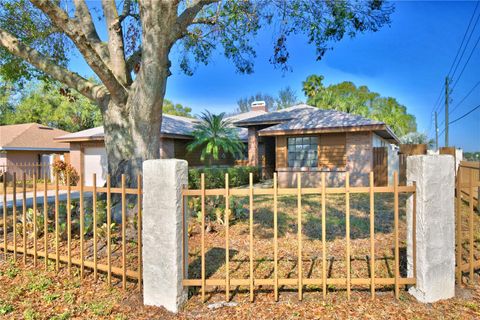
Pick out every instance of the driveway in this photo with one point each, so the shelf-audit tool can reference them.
(62, 196)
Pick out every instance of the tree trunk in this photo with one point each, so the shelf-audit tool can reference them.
(132, 131)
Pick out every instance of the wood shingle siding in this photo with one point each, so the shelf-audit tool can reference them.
(281, 152)
(332, 151)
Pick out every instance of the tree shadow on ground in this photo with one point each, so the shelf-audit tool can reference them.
(214, 260)
(335, 216)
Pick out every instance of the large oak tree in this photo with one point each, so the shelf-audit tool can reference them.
(132, 61)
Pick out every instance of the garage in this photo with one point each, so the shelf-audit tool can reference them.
(95, 161)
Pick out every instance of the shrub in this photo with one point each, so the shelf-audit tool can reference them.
(63, 169)
(215, 176)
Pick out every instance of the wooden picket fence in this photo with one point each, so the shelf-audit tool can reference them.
(42, 227)
(252, 282)
(467, 220)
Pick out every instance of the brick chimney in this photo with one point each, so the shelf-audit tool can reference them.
(259, 106)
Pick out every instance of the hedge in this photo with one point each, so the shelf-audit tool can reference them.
(215, 176)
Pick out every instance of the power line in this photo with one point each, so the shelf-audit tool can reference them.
(463, 39)
(464, 115)
(465, 97)
(466, 63)
(438, 107)
(468, 40)
(461, 117)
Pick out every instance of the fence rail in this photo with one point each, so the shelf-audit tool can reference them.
(275, 280)
(76, 227)
(467, 220)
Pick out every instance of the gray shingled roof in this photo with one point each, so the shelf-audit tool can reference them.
(277, 116)
(299, 117)
(171, 125)
(321, 119)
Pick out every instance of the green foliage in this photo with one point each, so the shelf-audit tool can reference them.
(101, 308)
(230, 26)
(38, 283)
(22, 19)
(66, 172)
(347, 97)
(472, 156)
(31, 314)
(416, 138)
(50, 297)
(52, 104)
(64, 316)
(214, 134)
(176, 109)
(69, 298)
(236, 24)
(6, 106)
(5, 308)
(12, 270)
(215, 176)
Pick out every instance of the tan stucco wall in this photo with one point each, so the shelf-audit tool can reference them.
(23, 161)
(76, 153)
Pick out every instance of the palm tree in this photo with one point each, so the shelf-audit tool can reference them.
(214, 134)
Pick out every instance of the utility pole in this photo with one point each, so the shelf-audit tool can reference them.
(436, 130)
(446, 110)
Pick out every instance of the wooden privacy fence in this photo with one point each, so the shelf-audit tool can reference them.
(467, 220)
(95, 228)
(298, 193)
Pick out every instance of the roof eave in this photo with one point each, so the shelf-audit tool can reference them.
(32, 149)
(259, 123)
(322, 130)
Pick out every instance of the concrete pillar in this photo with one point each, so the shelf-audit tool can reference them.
(252, 146)
(163, 181)
(435, 226)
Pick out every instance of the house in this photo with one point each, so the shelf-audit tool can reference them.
(88, 154)
(23, 146)
(301, 139)
(309, 140)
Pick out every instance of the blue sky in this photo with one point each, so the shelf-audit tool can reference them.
(408, 60)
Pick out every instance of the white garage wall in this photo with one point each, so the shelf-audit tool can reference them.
(95, 161)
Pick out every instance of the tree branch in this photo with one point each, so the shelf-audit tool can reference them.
(83, 16)
(91, 90)
(74, 32)
(187, 17)
(134, 60)
(115, 40)
(126, 11)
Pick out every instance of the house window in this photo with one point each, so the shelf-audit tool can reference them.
(303, 152)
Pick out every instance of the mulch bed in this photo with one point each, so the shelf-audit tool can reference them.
(29, 293)
(33, 293)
